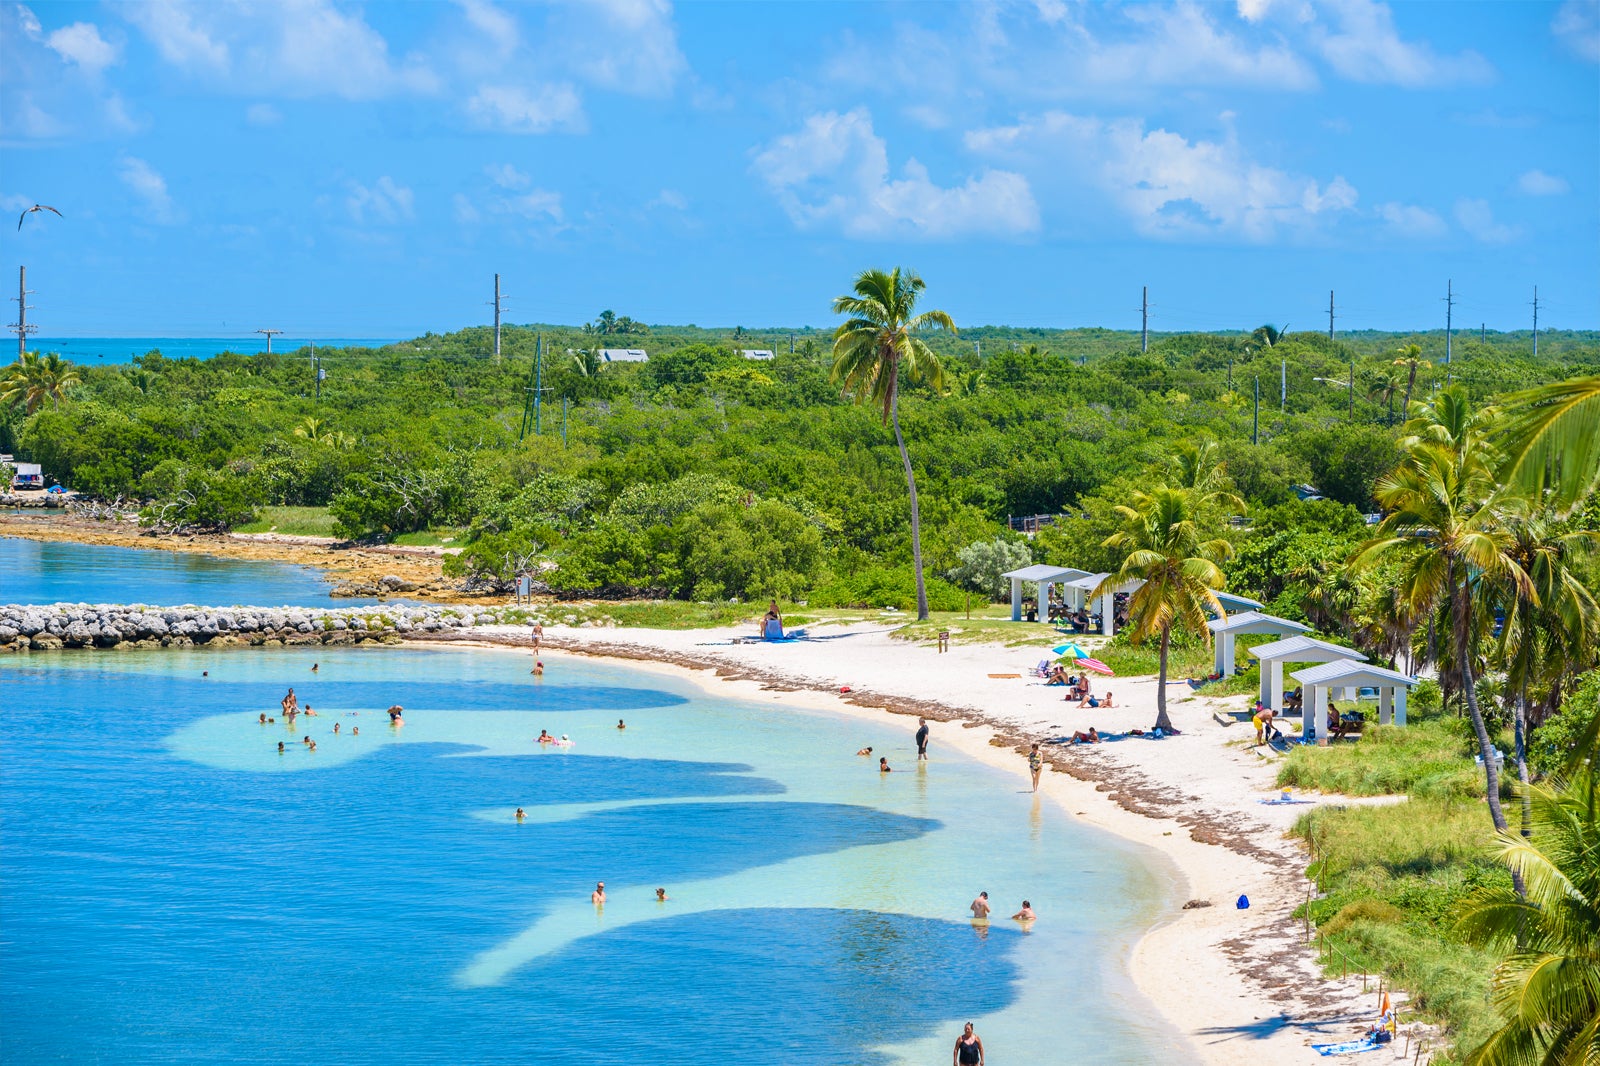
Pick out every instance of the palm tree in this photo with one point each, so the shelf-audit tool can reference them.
(1548, 987)
(965, 383)
(1384, 389)
(1198, 465)
(35, 378)
(1268, 335)
(1451, 532)
(1551, 627)
(1180, 570)
(873, 349)
(1549, 440)
(311, 428)
(1410, 356)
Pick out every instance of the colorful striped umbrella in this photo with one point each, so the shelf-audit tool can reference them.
(1096, 665)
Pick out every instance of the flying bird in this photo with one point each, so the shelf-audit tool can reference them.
(37, 207)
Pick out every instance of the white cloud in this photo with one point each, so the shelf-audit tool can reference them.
(1538, 183)
(1476, 217)
(81, 43)
(466, 212)
(1577, 25)
(535, 205)
(835, 171)
(1409, 220)
(150, 187)
(1169, 186)
(628, 46)
(670, 198)
(385, 201)
(507, 176)
(499, 28)
(262, 115)
(1365, 46)
(298, 48)
(542, 109)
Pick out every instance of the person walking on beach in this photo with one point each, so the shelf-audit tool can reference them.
(1035, 764)
(969, 1049)
(922, 740)
(538, 637)
(980, 907)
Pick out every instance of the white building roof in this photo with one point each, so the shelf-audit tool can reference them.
(756, 353)
(1092, 581)
(1346, 673)
(624, 355)
(1238, 603)
(1255, 622)
(1044, 572)
(1304, 650)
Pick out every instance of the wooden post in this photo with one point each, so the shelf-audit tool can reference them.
(944, 641)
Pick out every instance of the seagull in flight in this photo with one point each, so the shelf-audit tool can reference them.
(37, 207)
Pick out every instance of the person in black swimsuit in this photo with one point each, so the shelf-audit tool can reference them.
(922, 739)
(969, 1049)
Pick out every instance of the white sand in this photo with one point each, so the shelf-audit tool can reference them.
(1240, 985)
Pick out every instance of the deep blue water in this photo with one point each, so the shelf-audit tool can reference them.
(126, 349)
(66, 572)
(175, 890)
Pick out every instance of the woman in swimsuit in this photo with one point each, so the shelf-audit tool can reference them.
(969, 1049)
(1035, 764)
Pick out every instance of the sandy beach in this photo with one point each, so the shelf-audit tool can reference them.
(1240, 986)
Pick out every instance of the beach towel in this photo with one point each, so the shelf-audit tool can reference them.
(1279, 801)
(1349, 1047)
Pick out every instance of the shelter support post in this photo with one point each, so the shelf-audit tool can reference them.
(1224, 661)
(1016, 599)
(1108, 614)
(1385, 706)
(1314, 713)
(1400, 706)
(1272, 684)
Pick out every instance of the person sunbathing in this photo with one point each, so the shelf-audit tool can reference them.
(1091, 737)
(1058, 676)
(1105, 701)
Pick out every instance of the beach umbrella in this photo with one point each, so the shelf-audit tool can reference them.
(1096, 665)
(1070, 649)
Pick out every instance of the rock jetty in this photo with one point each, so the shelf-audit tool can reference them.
(83, 625)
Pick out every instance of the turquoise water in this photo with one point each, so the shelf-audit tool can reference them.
(126, 349)
(177, 891)
(64, 572)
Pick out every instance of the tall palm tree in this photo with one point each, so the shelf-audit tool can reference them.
(1450, 531)
(1180, 568)
(1410, 356)
(587, 362)
(1268, 335)
(35, 378)
(1548, 987)
(873, 349)
(1550, 442)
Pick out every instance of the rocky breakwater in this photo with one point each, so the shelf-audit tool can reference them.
(82, 625)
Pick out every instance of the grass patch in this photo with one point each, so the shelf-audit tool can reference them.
(988, 625)
(431, 538)
(1396, 877)
(1189, 660)
(1429, 759)
(291, 521)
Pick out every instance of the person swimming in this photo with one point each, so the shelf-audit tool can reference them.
(313, 668)
(1025, 914)
(621, 724)
(395, 715)
(546, 738)
(310, 713)
(336, 729)
(538, 669)
(355, 730)
(520, 814)
(263, 718)
(865, 751)
(311, 745)
(661, 895)
(280, 747)
(883, 765)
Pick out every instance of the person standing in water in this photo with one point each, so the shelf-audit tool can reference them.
(1035, 764)
(980, 907)
(598, 896)
(538, 637)
(969, 1049)
(922, 740)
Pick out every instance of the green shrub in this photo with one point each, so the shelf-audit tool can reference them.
(883, 587)
(1362, 910)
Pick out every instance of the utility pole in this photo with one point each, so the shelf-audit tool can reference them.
(1449, 309)
(1144, 320)
(1483, 333)
(563, 421)
(1352, 390)
(1330, 314)
(791, 343)
(1536, 321)
(270, 334)
(497, 301)
(1230, 371)
(977, 346)
(21, 324)
(1255, 419)
(316, 368)
(538, 380)
(1283, 386)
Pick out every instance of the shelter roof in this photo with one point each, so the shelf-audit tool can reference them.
(1302, 649)
(1346, 673)
(1044, 572)
(1255, 622)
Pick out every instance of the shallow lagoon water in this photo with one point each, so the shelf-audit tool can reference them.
(176, 891)
(66, 572)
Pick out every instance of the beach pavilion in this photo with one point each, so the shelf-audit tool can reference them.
(1246, 623)
(1319, 681)
(1081, 587)
(1042, 576)
(1295, 649)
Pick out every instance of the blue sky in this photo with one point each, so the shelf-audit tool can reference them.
(339, 169)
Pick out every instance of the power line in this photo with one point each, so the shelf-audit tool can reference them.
(270, 334)
(1536, 321)
(1144, 320)
(1330, 314)
(497, 309)
(1449, 334)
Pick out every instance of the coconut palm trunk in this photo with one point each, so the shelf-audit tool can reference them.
(1463, 628)
(916, 514)
(1163, 723)
(1411, 381)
